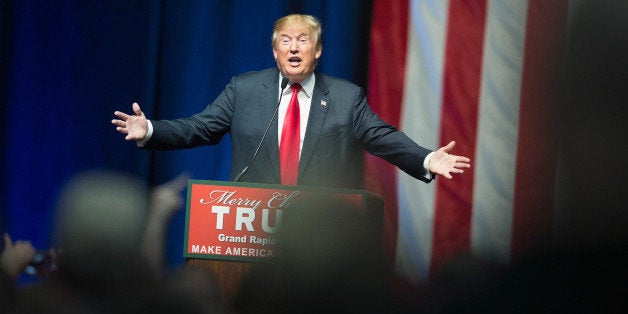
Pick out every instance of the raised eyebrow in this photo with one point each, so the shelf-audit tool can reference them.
(286, 36)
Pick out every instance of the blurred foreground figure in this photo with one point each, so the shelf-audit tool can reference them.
(330, 262)
(110, 231)
(591, 198)
(98, 227)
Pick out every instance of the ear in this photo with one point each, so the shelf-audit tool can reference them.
(319, 52)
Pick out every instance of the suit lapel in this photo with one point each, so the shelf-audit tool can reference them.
(318, 111)
(268, 96)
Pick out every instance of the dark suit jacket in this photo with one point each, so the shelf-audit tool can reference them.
(341, 124)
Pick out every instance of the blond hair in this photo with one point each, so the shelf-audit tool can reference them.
(309, 20)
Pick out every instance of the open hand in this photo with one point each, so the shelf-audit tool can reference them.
(443, 163)
(134, 126)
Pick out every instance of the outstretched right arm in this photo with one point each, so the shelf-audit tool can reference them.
(134, 126)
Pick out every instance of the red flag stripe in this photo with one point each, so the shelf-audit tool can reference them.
(387, 52)
(461, 89)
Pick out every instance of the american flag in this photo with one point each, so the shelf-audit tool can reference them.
(482, 73)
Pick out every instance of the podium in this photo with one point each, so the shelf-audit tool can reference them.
(231, 227)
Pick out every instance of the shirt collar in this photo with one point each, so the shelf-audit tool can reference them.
(307, 85)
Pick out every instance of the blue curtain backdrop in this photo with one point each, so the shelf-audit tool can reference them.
(65, 66)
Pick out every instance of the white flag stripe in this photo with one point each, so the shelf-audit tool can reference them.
(420, 117)
(498, 127)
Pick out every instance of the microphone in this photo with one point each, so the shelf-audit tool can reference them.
(284, 83)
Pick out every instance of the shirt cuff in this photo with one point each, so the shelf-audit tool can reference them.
(149, 134)
(426, 162)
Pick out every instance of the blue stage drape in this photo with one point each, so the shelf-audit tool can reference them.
(66, 66)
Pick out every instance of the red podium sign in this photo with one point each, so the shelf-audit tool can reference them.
(239, 221)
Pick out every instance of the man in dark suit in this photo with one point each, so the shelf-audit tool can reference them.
(334, 123)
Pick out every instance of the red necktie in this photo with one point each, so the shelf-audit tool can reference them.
(290, 137)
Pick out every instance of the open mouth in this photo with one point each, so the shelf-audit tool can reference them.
(294, 61)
